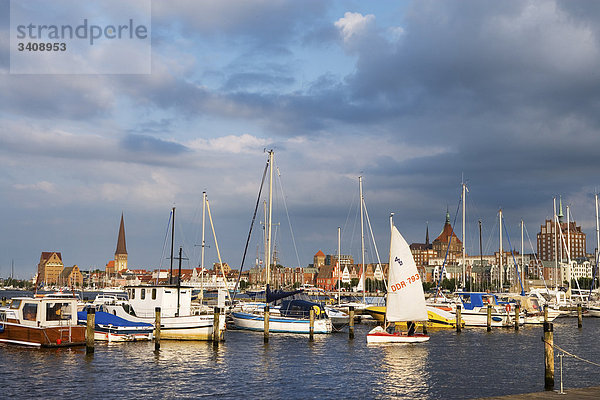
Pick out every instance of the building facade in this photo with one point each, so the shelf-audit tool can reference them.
(50, 267)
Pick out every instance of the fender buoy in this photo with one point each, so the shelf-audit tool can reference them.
(507, 307)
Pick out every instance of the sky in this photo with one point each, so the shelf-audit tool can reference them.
(414, 96)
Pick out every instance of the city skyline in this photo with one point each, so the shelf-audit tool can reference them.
(414, 96)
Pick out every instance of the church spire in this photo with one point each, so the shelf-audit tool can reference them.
(427, 234)
(121, 248)
(447, 215)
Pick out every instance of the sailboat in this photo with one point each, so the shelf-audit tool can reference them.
(292, 316)
(405, 297)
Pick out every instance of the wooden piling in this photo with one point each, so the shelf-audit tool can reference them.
(266, 327)
(489, 317)
(458, 317)
(216, 326)
(157, 328)
(89, 333)
(579, 316)
(517, 315)
(351, 323)
(311, 330)
(3, 301)
(548, 356)
(424, 327)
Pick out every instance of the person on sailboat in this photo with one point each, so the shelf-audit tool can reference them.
(411, 328)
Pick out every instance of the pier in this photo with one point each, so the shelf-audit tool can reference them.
(580, 394)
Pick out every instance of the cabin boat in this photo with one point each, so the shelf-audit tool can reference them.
(179, 320)
(110, 328)
(291, 317)
(474, 310)
(41, 322)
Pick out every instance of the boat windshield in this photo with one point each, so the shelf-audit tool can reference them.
(15, 303)
(57, 311)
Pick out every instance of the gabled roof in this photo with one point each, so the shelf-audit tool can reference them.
(320, 254)
(446, 233)
(325, 272)
(47, 254)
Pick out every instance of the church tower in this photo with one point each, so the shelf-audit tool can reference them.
(121, 252)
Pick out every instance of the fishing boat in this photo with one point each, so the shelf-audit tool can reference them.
(179, 321)
(110, 328)
(41, 322)
(405, 297)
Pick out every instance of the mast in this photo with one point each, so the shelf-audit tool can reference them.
(569, 251)
(269, 227)
(480, 252)
(179, 280)
(339, 267)
(522, 253)
(464, 266)
(362, 237)
(172, 240)
(389, 264)
(500, 263)
(597, 235)
(555, 272)
(265, 245)
(203, 246)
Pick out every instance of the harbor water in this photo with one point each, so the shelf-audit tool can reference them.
(470, 364)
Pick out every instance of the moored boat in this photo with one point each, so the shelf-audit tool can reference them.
(41, 322)
(110, 328)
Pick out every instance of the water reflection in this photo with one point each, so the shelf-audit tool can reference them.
(403, 370)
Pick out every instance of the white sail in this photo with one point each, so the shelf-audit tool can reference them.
(405, 298)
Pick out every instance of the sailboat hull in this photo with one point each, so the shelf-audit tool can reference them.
(379, 335)
(256, 322)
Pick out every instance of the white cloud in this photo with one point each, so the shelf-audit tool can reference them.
(352, 25)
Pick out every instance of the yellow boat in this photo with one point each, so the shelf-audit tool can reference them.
(436, 318)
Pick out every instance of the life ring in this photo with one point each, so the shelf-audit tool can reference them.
(507, 308)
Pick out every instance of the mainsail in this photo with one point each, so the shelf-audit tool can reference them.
(405, 298)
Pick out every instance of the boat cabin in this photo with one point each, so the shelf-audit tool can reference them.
(41, 312)
(172, 301)
(470, 300)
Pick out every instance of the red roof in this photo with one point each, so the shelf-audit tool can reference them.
(320, 254)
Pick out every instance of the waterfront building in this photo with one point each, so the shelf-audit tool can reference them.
(50, 267)
(549, 236)
(71, 277)
(121, 252)
(448, 238)
(319, 259)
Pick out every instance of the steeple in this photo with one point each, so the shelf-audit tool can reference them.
(427, 234)
(121, 248)
(447, 215)
(560, 211)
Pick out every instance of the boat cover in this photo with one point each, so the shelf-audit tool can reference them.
(104, 318)
(279, 294)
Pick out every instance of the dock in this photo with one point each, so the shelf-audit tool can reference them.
(569, 394)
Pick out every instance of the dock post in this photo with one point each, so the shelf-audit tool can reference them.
(351, 323)
(89, 332)
(517, 315)
(216, 326)
(579, 316)
(157, 329)
(266, 328)
(548, 356)
(489, 317)
(3, 301)
(545, 313)
(458, 318)
(424, 327)
(311, 331)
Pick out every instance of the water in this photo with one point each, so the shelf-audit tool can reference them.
(471, 364)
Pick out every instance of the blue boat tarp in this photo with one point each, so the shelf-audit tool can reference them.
(104, 318)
